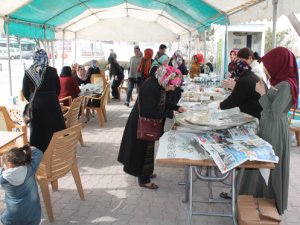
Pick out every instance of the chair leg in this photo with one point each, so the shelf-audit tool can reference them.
(81, 140)
(77, 180)
(104, 113)
(297, 134)
(54, 185)
(46, 197)
(25, 139)
(100, 117)
(119, 93)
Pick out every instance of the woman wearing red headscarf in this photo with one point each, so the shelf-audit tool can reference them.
(145, 64)
(281, 68)
(195, 69)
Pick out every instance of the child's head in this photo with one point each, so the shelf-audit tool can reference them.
(16, 157)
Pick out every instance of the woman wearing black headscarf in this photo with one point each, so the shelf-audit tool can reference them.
(47, 116)
(117, 74)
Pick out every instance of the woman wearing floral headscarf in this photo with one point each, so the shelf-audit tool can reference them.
(177, 62)
(47, 116)
(136, 155)
(281, 68)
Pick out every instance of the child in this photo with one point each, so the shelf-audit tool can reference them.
(17, 178)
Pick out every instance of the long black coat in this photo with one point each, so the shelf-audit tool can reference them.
(46, 111)
(244, 95)
(132, 151)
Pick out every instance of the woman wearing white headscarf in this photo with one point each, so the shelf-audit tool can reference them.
(47, 116)
(177, 62)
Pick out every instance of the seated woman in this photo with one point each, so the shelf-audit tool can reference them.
(68, 85)
(94, 69)
(81, 76)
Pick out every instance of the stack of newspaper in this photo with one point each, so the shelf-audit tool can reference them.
(230, 148)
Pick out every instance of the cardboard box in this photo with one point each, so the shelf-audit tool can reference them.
(257, 211)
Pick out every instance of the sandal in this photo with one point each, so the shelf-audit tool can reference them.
(153, 175)
(149, 186)
(224, 195)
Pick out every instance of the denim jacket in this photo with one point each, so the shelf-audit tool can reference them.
(22, 201)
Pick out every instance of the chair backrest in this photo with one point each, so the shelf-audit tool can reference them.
(5, 119)
(61, 152)
(104, 99)
(99, 79)
(292, 114)
(73, 112)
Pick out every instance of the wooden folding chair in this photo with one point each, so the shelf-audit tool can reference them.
(292, 127)
(7, 124)
(59, 159)
(101, 110)
(72, 115)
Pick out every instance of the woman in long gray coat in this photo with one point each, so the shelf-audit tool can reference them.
(281, 69)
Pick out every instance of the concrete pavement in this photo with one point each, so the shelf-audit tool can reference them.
(114, 198)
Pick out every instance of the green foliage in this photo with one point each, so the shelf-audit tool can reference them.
(282, 39)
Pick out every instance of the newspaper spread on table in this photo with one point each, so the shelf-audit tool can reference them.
(228, 148)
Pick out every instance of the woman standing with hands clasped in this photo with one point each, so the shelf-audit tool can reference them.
(137, 155)
(281, 68)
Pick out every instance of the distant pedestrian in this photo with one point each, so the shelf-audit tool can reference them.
(134, 76)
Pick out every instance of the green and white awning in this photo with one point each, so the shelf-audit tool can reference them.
(143, 20)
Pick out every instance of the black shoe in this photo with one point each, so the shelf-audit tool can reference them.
(225, 195)
(127, 104)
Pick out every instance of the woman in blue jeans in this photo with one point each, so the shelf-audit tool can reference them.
(17, 178)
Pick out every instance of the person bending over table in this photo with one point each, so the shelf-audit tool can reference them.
(137, 155)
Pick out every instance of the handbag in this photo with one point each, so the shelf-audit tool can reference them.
(27, 113)
(148, 129)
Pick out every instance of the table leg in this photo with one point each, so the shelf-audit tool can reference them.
(190, 182)
(233, 197)
(187, 184)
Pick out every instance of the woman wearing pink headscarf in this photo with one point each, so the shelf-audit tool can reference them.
(281, 68)
(137, 155)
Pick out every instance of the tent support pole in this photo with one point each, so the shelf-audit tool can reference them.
(226, 48)
(75, 46)
(205, 55)
(63, 48)
(8, 55)
(53, 54)
(275, 3)
(190, 37)
(45, 41)
(48, 48)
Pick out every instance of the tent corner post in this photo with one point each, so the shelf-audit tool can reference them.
(275, 3)
(75, 34)
(63, 49)
(190, 40)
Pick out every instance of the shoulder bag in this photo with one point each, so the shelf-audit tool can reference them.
(27, 113)
(148, 129)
